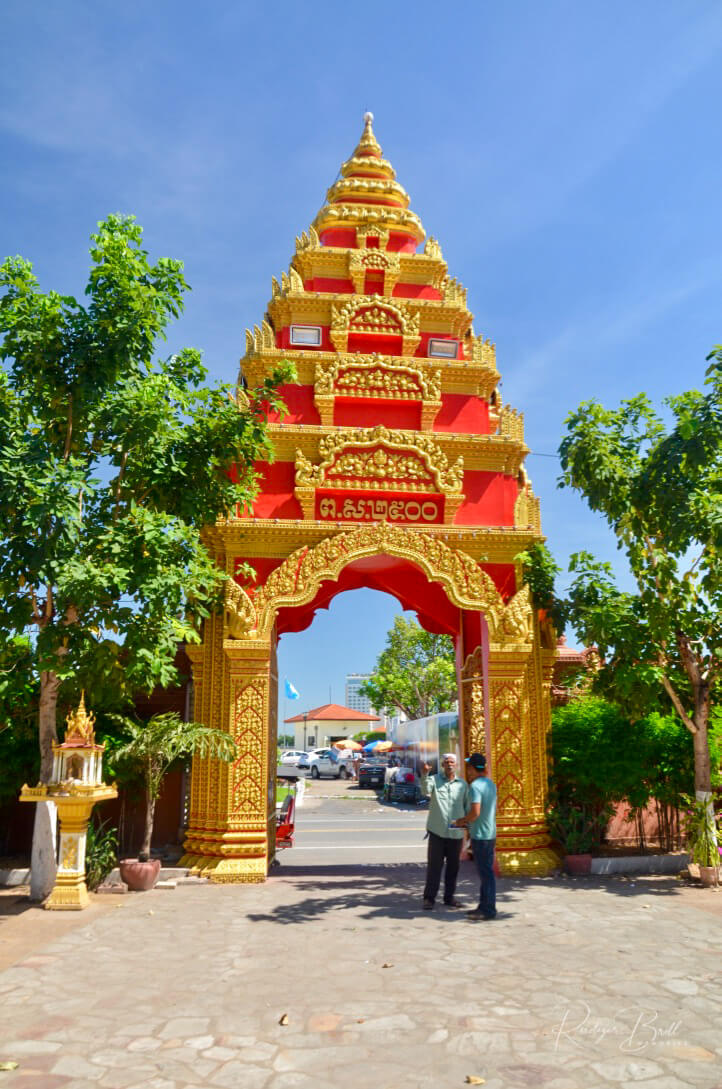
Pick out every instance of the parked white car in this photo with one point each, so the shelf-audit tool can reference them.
(292, 756)
(329, 762)
(288, 764)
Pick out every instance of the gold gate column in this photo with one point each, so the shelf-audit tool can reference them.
(230, 838)
(518, 726)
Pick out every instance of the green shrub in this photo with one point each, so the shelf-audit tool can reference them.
(101, 853)
(598, 757)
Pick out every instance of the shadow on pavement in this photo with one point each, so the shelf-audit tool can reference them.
(393, 890)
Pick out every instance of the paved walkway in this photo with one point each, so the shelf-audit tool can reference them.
(335, 979)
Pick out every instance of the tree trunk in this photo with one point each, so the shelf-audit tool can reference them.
(144, 853)
(702, 771)
(43, 864)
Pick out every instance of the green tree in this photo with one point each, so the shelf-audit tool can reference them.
(416, 673)
(660, 489)
(110, 464)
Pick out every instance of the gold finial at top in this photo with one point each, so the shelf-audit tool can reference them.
(80, 724)
(368, 144)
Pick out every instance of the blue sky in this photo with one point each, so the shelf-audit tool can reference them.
(567, 156)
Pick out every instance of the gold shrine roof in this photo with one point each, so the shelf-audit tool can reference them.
(367, 194)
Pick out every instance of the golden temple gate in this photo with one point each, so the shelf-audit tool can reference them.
(397, 468)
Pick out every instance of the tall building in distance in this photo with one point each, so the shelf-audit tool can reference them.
(353, 698)
(357, 702)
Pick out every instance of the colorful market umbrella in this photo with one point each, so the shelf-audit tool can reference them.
(378, 746)
(347, 743)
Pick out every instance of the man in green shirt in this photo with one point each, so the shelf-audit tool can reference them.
(448, 802)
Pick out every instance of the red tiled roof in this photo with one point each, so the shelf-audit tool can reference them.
(333, 712)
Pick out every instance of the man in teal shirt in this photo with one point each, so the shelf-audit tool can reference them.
(481, 820)
(448, 802)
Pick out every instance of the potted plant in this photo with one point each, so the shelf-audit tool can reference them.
(150, 750)
(577, 829)
(701, 826)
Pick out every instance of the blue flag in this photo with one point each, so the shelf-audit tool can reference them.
(291, 692)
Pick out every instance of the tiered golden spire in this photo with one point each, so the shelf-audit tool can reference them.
(367, 194)
(80, 725)
(368, 144)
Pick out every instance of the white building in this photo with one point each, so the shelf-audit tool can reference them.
(323, 725)
(354, 699)
(362, 703)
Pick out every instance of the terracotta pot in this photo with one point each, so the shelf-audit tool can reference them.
(139, 876)
(578, 865)
(709, 875)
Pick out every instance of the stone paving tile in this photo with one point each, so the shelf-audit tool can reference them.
(588, 984)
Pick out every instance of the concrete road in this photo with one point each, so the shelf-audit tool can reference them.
(338, 825)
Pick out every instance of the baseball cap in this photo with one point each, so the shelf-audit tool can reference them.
(477, 760)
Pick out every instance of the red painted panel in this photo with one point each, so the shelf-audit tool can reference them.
(374, 283)
(263, 565)
(276, 498)
(503, 575)
(348, 412)
(328, 284)
(375, 342)
(340, 505)
(416, 291)
(283, 340)
(463, 413)
(423, 348)
(299, 402)
(488, 499)
(401, 243)
(342, 237)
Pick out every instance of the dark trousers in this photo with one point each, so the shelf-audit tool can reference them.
(483, 850)
(442, 850)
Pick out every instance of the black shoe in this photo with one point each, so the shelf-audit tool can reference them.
(477, 913)
(428, 904)
(454, 903)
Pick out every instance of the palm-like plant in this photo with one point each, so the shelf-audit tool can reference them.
(153, 746)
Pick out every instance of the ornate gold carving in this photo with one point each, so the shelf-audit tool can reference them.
(514, 624)
(351, 215)
(377, 231)
(511, 424)
(374, 314)
(80, 724)
(379, 459)
(472, 685)
(239, 614)
(433, 249)
(69, 853)
(535, 862)
(377, 376)
(527, 510)
(385, 188)
(453, 292)
(361, 261)
(298, 579)
(483, 352)
(362, 164)
(308, 241)
(507, 712)
(247, 794)
(260, 341)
